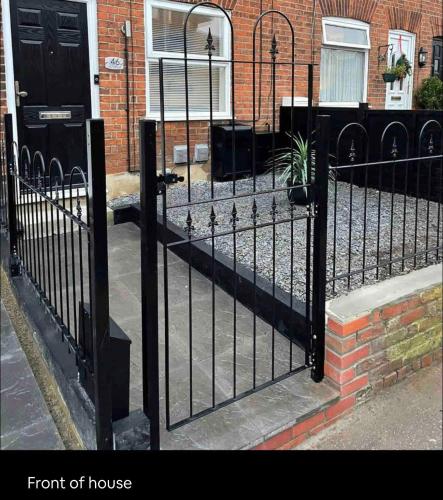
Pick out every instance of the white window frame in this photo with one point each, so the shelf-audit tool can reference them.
(217, 61)
(347, 23)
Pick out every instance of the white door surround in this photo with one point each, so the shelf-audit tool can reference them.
(91, 7)
(399, 93)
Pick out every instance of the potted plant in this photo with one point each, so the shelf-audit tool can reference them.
(400, 70)
(292, 166)
(389, 75)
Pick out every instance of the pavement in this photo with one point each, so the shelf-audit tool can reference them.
(406, 416)
(26, 423)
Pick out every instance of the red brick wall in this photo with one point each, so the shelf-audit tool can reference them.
(370, 352)
(422, 17)
(377, 349)
(111, 16)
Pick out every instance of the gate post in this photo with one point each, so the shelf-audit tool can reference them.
(97, 222)
(148, 227)
(320, 246)
(14, 266)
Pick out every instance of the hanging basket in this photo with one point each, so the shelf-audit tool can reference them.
(389, 77)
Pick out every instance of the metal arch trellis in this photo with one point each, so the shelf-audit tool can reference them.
(313, 342)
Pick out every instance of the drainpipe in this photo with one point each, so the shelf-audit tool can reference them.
(126, 30)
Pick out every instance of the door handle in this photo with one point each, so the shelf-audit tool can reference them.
(19, 94)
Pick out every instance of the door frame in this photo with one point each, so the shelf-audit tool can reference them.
(413, 38)
(91, 9)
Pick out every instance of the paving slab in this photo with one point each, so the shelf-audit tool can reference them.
(25, 423)
(242, 424)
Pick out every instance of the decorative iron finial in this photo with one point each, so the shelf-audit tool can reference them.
(210, 43)
(274, 210)
(39, 180)
(394, 150)
(79, 207)
(254, 215)
(189, 227)
(213, 222)
(352, 154)
(234, 218)
(431, 145)
(274, 49)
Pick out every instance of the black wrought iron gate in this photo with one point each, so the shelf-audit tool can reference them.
(240, 310)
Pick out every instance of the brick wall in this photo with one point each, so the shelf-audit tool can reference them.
(423, 18)
(379, 348)
(371, 351)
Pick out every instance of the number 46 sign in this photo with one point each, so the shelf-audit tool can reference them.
(114, 63)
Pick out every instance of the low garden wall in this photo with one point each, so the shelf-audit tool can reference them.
(375, 337)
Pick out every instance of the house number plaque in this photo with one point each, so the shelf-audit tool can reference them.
(114, 63)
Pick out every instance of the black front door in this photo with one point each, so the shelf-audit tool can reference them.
(437, 56)
(51, 68)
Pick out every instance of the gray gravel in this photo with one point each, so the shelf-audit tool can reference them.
(200, 213)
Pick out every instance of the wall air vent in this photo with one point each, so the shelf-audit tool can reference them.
(201, 153)
(180, 154)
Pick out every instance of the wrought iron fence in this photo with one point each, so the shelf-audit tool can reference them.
(57, 241)
(3, 187)
(270, 350)
(383, 221)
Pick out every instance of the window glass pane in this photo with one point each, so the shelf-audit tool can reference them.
(342, 75)
(167, 31)
(174, 87)
(343, 34)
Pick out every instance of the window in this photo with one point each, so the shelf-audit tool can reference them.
(165, 21)
(344, 62)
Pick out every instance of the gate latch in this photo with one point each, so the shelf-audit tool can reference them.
(169, 178)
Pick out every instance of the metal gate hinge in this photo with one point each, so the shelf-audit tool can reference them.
(312, 210)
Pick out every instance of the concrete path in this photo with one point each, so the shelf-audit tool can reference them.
(407, 416)
(26, 423)
(242, 424)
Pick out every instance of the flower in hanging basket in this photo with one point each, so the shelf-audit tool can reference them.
(400, 70)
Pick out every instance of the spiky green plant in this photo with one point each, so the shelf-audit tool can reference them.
(291, 163)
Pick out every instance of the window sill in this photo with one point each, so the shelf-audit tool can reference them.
(339, 104)
(192, 118)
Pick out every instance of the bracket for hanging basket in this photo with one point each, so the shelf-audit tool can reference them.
(382, 54)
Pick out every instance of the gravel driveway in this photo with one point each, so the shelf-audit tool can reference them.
(200, 213)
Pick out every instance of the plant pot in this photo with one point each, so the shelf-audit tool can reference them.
(297, 196)
(389, 77)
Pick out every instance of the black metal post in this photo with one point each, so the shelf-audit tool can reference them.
(14, 266)
(99, 281)
(320, 246)
(148, 226)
